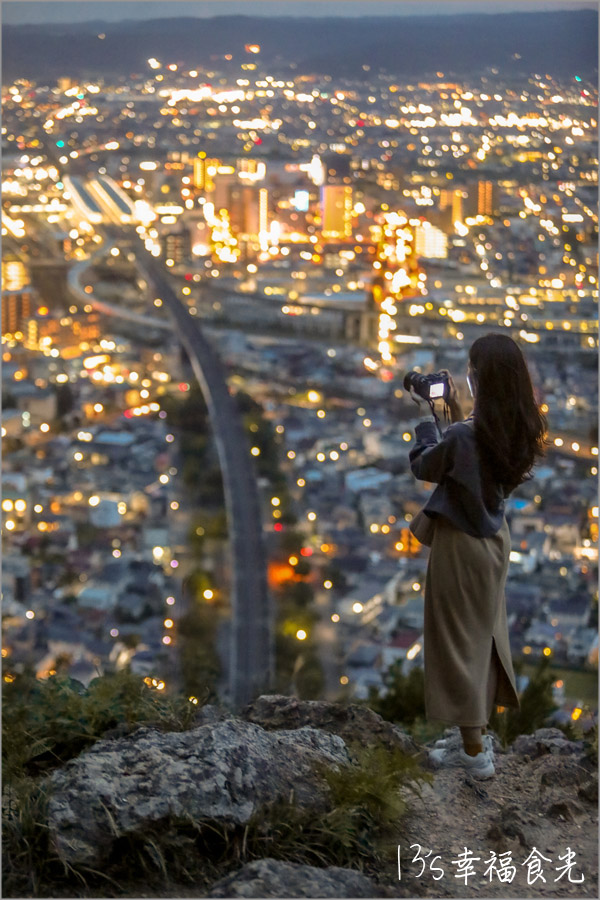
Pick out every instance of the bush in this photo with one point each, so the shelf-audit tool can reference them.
(361, 828)
(404, 697)
(298, 593)
(197, 639)
(536, 705)
(309, 679)
(46, 723)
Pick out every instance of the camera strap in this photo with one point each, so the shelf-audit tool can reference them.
(447, 417)
(435, 415)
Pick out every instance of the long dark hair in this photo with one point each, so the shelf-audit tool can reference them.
(509, 428)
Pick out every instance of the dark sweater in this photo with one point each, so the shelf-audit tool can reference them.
(452, 462)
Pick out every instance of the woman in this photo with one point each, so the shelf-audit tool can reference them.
(476, 465)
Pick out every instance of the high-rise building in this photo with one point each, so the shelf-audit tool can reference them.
(14, 273)
(451, 201)
(337, 168)
(178, 245)
(250, 170)
(17, 306)
(224, 179)
(487, 198)
(430, 242)
(263, 210)
(244, 210)
(205, 170)
(336, 211)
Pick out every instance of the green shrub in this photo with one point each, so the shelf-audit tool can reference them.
(404, 697)
(536, 705)
(309, 679)
(362, 826)
(46, 723)
(573, 730)
(197, 642)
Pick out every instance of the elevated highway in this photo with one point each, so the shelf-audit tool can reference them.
(251, 669)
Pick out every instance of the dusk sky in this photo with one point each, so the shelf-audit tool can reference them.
(18, 12)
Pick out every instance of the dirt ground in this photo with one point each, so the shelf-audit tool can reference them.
(544, 806)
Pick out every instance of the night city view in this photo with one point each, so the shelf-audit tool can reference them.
(226, 238)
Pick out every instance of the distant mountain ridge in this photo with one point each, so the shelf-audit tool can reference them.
(555, 43)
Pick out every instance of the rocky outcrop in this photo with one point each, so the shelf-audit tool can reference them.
(224, 773)
(545, 740)
(354, 723)
(229, 769)
(274, 878)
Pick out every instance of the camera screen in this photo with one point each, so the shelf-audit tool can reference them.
(436, 390)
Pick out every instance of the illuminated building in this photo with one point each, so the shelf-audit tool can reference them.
(178, 245)
(486, 198)
(67, 333)
(245, 210)
(224, 179)
(263, 211)
(430, 242)
(204, 171)
(16, 309)
(223, 243)
(452, 201)
(397, 275)
(251, 169)
(14, 274)
(336, 211)
(316, 170)
(200, 238)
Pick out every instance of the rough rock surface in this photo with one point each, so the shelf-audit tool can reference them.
(542, 800)
(545, 740)
(352, 722)
(274, 878)
(224, 772)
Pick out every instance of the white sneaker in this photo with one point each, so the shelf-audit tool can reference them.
(479, 766)
(450, 743)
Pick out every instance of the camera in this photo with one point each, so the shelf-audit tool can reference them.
(430, 387)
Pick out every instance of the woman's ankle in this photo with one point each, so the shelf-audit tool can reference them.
(473, 749)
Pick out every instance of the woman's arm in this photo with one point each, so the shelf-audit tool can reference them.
(431, 457)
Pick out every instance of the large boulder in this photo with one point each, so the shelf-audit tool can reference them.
(352, 723)
(223, 772)
(274, 878)
(546, 740)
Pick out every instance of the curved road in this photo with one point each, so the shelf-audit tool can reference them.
(252, 643)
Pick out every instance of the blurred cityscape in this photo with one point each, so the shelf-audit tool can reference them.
(327, 236)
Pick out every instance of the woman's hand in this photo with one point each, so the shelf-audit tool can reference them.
(424, 407)
(456, 413)
(452, 392)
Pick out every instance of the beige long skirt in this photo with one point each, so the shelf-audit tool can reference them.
(467, 658)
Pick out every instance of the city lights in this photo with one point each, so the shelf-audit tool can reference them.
(325, 235)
